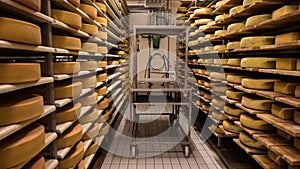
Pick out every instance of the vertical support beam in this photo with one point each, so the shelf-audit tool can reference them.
(186, 56)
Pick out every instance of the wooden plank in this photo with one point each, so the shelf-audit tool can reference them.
(291, 128)
(252, 131)
(270, 118)
(249, 150)
(288, 153)
(269, 94)
(281, 72)
(241, 88)
(228, 133)
(272, 140)
(51, 163)
(266, 162)
(290, 100)
(233, 118)
(25, 47)
(239, 105)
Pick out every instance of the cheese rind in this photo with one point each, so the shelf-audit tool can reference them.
(217, 129)
(249, 141)
(217, 75)
(233, 111)
(249, 2)
(103, 104)
(237, 79)
(66, 42)
(236, 9)
(103, 118)
(202, 11)
(89, 100)
(236, 27)
(13, 30)
(102, 35)
(199, 22)
(285, 87)
(89, 10)
(36, 162)
(229, 126)
(257, 41)
(66, 67)
(89, 29)
(255, 123)
(282, 111)
(284, 11)
(33, 4)
(101, 91)
(102, 64)
(234, 94)
(89, 47)
(63, 91)
(220, 18)
(89, 117)
(17, 109)
(91, 133)
(254, 20)
(297, 117)
(218, 116)
(88, 65)
(69, 18)
(76, 3)
(218, 103)
(264, 63)
(257, 103)
(101, 20)
(102, 49)
(92, 149)
(104, 131)
(102, 6)
(73, 157)
(287, 37)
(22, 72)
(220, 33)
(69, 137)
(101, 77)
(67, 113)
(286, 63)
(259, 84)
(18, 148)
(220, 48)
(234, 62)
(88, 82)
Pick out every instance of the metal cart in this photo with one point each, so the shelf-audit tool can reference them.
(175, 94)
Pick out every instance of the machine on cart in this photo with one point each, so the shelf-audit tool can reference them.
(167, 90)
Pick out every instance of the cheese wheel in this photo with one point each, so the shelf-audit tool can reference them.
(220, 3)
(203, 11)
(121, 53)
(88, 82)
(257, 103)
(275, 158)
(76, 3)
(17, 109)
(33, 4)
(101, 91)
(221, 89)
(298, 65)
(250, 2)
(207, 96)
(22, 72)
(233, 111)
(199, 22)
(284, 11)
(66, 42)
(237, 79)
(89, 117)
(234, 94)
(217, 75)
(102, 49)
(209, 36)
(285, 87)
(88, 65)
(89, 29)
(89, 10)
(282, 111)
(236, 9)
(69, 18)
(101, 20)
(286, 63)
(89, 100)
(264, 63)
(91, 133)
(287, 37)
(217, 129)
(233, 45)
(297, 92)
(221, 61)
(20, 31)
(66, 67)
(92, 149)
(102, 35)
(297, 143)
(122, 61)
(67, 113)
(182, 9)
(37, 162)
(207, 84)
(297, 117)
(73, 157)
(116, 62)
(234, 62)
(260, 84)
(250, 142)
(255, 123)
(257, 19)
(22, 146)
(104, 131)
(218, 102)
(211, 23)
(220, 48)
(231, 127)
(220, 33)
(103, 104)
(80, 165)
(257, 41)
(236, 27)
(103, 118)
(284, 135)
(102, 64)
(218, 116)
(102, 77)
(70, 137)
(89, 47)
(68, 90)
(102, 6)
(220, 18)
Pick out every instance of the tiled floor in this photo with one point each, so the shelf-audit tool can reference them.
(118, 155)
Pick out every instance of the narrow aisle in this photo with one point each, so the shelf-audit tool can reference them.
(202, 156)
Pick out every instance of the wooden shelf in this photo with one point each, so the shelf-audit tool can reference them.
(289, 153)
(291, 128)
(270, 118)
(87, 144)
(253, 132)
(251, 111)
(228, 133)
(25, 47)
(61, 154)
(281, 72)
(64, 27)
(266, 162)
(5, 131)
(233, 118)
(249, 150)
(272, 140)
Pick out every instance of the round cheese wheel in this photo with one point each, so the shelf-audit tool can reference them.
(202, 11)
(250, 142)
(234, 62)
(22, 146)
(89, 29)
(231, 127)
(218, 116)
(220, 33)
(66, 67)
(122, 61)
(104, 131)
(89, 100)
(14, 30)
(92, 149)
(102, 64)
(103, 118)
(217, 129)
(199, 22)
(287, 37)
(219, 89)
(22, 72)
(234, 94)
(69, 18)
(257, 103)
(101, 20)
(233, 45)
(89, 10)
(260, 84)
(116, 62)
(284, 11)
(236, 27)
(182, 9)
(33, 4)
(101, 91)
(89, 47)
(257, 41)
(255, 123)
(221, 61)
(89, 117)
(69, 137)
(67, 113)
(73, 157)
(68, 90)
(283, 111)
(66, 42)
(297, 117)
(37, 162)
(89, 65)
(257, 19)
(232, 110)
(88, 82)
(250, 2)
(103, 104)
(236, 9)
(220, 48)
(102, 49)
(286, 63)
(91, 133)
(102, 35)
(17, 109)
(102, 6)
(80, 165)
(285, 87)
(102, 77)
(235, 78)
(264, 63)
(220, 18)
(218, 102)
(76, 3)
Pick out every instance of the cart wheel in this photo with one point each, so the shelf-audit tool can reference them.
(133, 151)
(186, 151)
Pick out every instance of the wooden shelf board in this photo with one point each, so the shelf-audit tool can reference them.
(270, 118)
(51, 163)
(251, 111)
(249, 150)
(290, 100)
(272, 140)
(233, 118)
(266, 162)
(25, 47)
(241, 88)
(218, 135)
(62, 102)
(228, 133)
(253, 132)
(269, 94)
(61, 154)
(64, 27)
(281, 72)
(87, 143)
(288, 153)
(291, 128)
